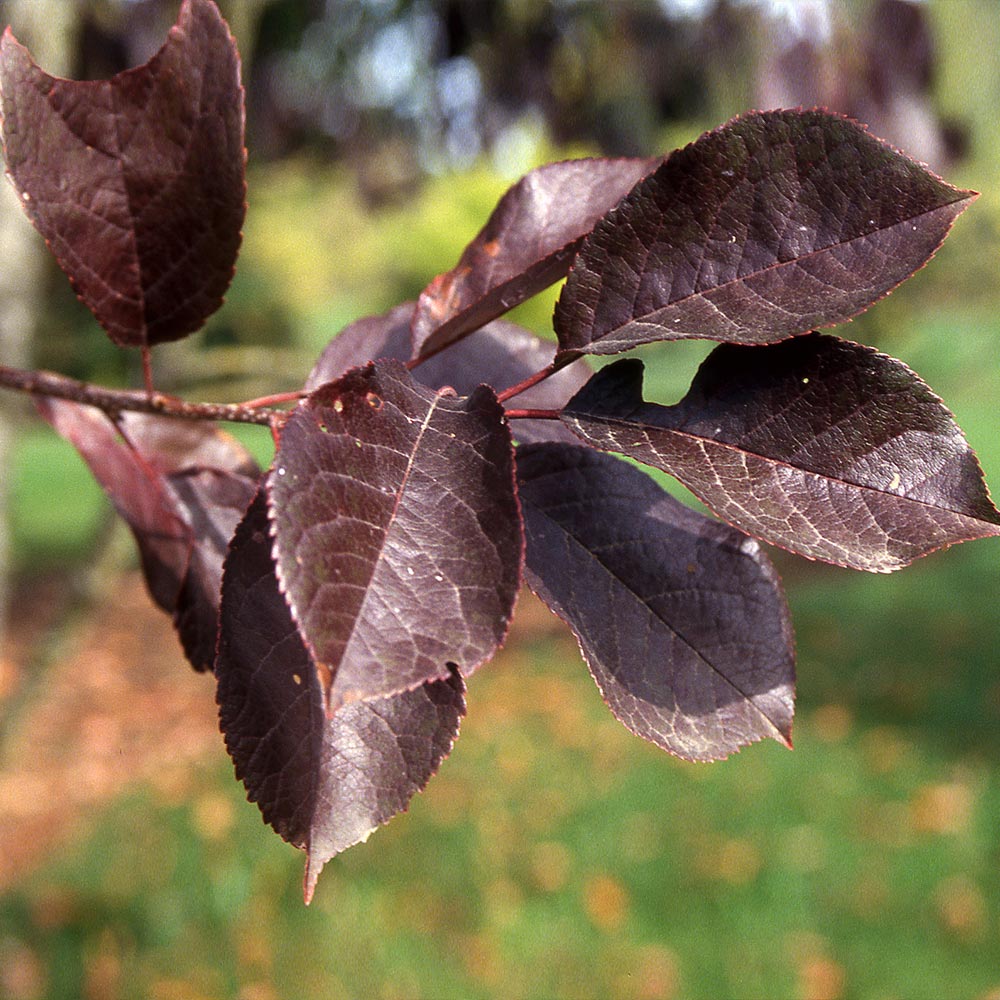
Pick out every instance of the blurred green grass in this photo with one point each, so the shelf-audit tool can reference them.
(555, 855)
(55, 505)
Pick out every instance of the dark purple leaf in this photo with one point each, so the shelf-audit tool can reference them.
(681, 619)
(526, 245)
(181, 446)
(765, 228)
(500, 355)
(822, 446)
(397, 530)
(182, 488)
(212, 502)
(136, 183)
(138, 492)
(322, 783)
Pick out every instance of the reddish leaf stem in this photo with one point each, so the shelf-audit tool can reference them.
(278, 397)
(115, 401)
(560, 361)
(532, 414)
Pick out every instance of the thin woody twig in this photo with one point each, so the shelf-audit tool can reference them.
(115, 401)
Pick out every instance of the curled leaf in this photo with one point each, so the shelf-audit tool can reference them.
(182, 488)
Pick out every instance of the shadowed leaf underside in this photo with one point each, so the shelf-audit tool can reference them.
(681, 619)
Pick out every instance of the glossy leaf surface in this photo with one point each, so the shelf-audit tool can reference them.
(136, 183)
(770, 226)
(819, 445)
(501, 354)
(526, 245)
(397, 531)
(182, 488)
(322, 783)
(681, 619)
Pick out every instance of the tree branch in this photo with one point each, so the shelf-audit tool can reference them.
(115, 401)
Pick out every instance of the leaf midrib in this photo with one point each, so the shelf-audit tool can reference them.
(623, 424)
(704, 294)
(393, 516)
(672, 629)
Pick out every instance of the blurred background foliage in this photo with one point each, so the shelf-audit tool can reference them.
(555, 855)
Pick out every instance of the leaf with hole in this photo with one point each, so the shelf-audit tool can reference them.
(820, 445)
(681, 619)
(770, 226)
(136, 183)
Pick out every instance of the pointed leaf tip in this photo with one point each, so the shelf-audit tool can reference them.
(309, 883)
(866, 467)
(770, 226)
(323, 783)
(147, 231)
(314, 868)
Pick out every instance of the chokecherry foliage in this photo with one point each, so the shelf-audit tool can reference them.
(438, 454)
(901, 481)
(136, 183)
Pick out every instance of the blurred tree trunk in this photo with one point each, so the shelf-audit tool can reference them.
(48, 28)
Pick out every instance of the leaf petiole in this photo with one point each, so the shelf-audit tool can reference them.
(532, 414)
(279, 397)
(560, 361)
